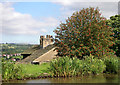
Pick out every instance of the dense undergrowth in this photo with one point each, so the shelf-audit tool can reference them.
(65, 66)
(12, 71)
(112, 64)
(61, 67)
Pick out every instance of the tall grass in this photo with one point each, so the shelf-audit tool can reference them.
(61, 63)
(60, 67)
(93, 65)
(10, 70)
(112, 63)
(65, 66)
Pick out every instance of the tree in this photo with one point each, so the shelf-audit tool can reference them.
(84, 33)
(114, 22)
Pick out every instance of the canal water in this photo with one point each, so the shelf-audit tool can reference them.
(106, 78)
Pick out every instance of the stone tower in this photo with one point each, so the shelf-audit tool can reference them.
(45, 41)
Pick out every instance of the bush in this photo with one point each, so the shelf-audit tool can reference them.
(111, 64)
(93, 65)
(61, 67)
(84, 33)
(10, 70)
(65, 66)
(77, 66)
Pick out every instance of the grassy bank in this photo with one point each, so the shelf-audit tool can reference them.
(61, 67)
(12, 71)
(35, 70)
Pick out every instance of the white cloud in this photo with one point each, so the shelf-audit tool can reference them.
(107, 8)
(68, 2)
(15, 23)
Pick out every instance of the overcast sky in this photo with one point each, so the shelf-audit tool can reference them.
(24, 22)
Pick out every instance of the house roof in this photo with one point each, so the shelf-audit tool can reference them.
(35, 52)
(31, 50)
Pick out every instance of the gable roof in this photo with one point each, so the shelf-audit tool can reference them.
(35, 52)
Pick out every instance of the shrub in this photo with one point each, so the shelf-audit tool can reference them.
(111, 64)
(61, 67)
(66, 66)
(77, 66)
(10, 70)
(93, 65)
(84, 33)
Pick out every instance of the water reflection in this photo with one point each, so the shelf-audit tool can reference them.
(86, 79)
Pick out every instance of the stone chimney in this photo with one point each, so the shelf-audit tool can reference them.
(45, 41)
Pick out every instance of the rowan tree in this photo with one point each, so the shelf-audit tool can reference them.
(84, 33)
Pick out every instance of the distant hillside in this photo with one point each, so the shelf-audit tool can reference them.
(13, 48)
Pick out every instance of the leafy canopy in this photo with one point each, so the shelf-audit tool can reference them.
(114, 22)
(84, 33)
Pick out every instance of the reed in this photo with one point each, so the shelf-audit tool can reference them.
(10, 70)
(66, 66)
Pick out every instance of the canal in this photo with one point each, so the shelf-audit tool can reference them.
(103, 78)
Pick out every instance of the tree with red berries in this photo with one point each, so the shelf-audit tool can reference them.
(84, 33)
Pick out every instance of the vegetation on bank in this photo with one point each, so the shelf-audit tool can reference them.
(61, 67)
(74, 67)
(66, 66)
(11, 71)
(112, 64)
(35, 70)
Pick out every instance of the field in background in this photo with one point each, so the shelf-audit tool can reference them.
(14, 48)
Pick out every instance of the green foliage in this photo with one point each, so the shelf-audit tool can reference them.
(84, 33)
(61, 67)
(35, 70)
(66, 66)
(114, 22)
(93, 65)
(111, 64)
(19, 57)
(10, 70)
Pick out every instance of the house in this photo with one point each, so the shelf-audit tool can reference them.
(13, 59)
(8, 56)
(40, 53)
